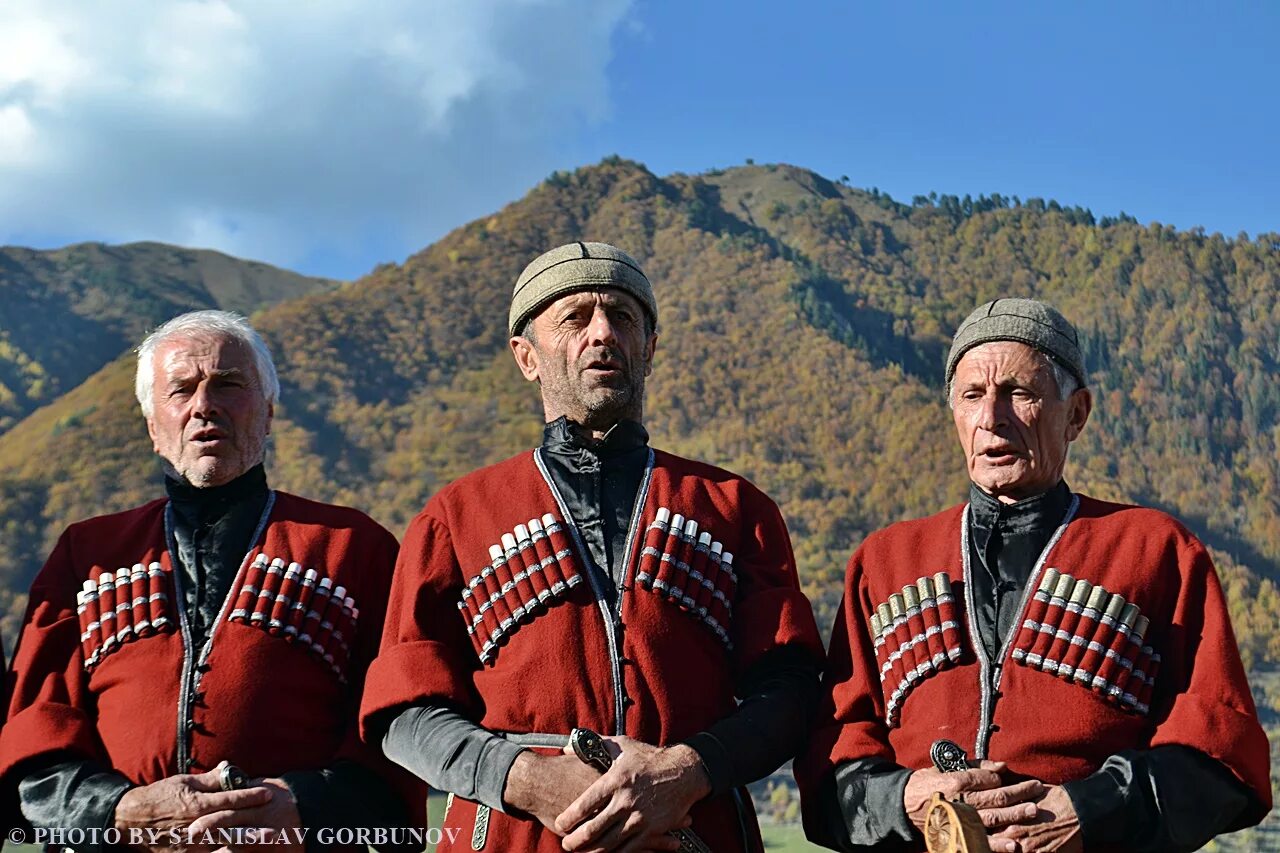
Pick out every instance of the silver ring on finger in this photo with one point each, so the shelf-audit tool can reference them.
(232, 778)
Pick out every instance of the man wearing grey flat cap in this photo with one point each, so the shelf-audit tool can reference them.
(569, 630)
(1063, 665)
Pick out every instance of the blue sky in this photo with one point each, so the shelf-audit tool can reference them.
(1164, 110)
(358, 133)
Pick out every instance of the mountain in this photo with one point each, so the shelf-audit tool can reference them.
(803, 326)
(65, 313)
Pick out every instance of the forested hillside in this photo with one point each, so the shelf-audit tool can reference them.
(65, 313)
(802, 332)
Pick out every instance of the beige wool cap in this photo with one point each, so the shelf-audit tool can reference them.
(1028, 321)
(573, 267)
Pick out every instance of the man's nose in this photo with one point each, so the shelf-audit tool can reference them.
(992, 412)
(601, 329)
(203, 404)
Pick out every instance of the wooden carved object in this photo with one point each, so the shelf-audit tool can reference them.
(951, 827)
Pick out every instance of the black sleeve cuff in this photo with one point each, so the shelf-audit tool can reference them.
(74, 794)
(870, 795)
(311, 794)
(716, 760)
(1167, 798)
(1101, 806)
(860, 808)
(344, 795)
(779, 696)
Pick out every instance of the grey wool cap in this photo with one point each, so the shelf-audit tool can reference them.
(573, 267)
(1028, 321)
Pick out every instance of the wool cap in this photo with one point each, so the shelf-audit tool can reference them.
(573, 267)
(1028, 321)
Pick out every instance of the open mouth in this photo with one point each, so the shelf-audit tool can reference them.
(1000, 455)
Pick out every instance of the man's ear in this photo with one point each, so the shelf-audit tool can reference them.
(271, 413)
(650, 349)
(526, 355)
(151, 431)
(1081, 403)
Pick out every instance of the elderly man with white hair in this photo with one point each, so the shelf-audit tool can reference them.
(194, 664)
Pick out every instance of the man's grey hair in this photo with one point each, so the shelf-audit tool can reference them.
(1064, 379)
(200, 324)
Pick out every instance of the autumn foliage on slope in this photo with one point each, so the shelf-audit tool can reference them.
(802, 331)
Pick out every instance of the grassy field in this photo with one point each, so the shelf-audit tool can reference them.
(786, 839)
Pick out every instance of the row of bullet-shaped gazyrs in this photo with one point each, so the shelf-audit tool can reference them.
(915, 633)
(528, 570)
(300, 606)
(689, 568)
(115, 607)
(1089, 636)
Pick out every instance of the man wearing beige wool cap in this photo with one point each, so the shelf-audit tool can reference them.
(1078, 653)
(569, 630)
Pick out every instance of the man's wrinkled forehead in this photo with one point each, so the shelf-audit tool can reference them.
(183, 355)
(608, 296)
(1002, 362)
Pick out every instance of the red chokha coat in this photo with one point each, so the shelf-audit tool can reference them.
(105, 669)
(1123, 642)
(494, 611)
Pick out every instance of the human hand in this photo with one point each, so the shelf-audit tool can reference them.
(163, 810)
(279, 814)
(543, 786)
(647, 792)
(998, 803)
(1055, 826)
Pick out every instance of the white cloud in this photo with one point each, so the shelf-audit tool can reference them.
(17, 136)
(282, 130)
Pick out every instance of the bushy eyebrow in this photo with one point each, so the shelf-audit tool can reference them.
(608, 299)
(573, 304)
(217, 373)
(1003, 383)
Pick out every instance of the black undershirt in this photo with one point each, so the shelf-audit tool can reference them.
(598, 481)
(212, 531)
(1005, 541)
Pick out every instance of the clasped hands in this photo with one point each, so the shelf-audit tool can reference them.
(647, 792)
(1019, 816)
(175, 812)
